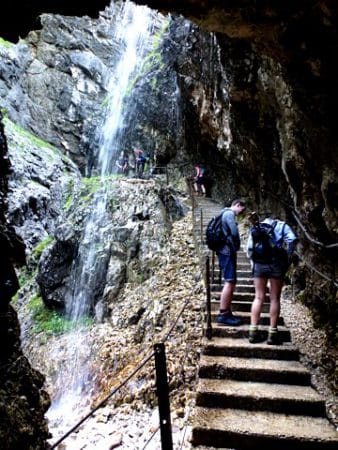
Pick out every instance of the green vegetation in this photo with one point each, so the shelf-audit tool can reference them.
(52, 322)
(25, 275)
(37, 142)
(41, 246)
(69, 195)
(5, 43)
(85, 194)
(159, 35)
(94, 184)
(33, 140)
(152, 61)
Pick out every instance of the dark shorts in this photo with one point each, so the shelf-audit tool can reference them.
(200, 180)
(273, 270)
(227, 264)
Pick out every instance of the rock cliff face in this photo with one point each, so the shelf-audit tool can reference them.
(281, 66)
(254, 101)
(23, 403)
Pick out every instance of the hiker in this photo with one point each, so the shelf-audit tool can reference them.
(123, 164)
(270, 265)
(227, 258)
(199, 180)
(140, 162)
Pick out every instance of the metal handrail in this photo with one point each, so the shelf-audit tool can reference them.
(208, 332)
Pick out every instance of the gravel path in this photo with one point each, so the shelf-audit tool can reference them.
(313, 348)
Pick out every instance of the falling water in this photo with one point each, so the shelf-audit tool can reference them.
(134, 28)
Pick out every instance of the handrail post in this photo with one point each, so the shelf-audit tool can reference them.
(163, 396)
(207, 283)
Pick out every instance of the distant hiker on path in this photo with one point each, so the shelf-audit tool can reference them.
(123, 165)
(199, 180)
(227, 258)
(270, 261)
(140, 161)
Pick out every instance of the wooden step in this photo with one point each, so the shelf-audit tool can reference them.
(254, 369)
(241, 348)
(258, 396)
(242, 429)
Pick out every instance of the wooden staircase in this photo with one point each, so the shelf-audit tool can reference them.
(253, 396)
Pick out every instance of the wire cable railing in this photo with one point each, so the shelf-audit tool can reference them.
(299, 222)
(158, 352)
(102, 402)
(308, 237)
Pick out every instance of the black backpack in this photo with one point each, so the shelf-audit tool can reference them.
(264, 249)
(214, 235)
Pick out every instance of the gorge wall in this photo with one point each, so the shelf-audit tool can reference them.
(254, 101)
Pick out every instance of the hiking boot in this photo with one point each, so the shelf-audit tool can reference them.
(228, 319)
(255, 336)
(273, 338)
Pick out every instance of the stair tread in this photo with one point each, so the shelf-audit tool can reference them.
(239, 295)
(253, 376)
(269, 424)
(246, 326)
(246, 317)
(259, 390)
(264, 315)
(244, 343)
(231, 362)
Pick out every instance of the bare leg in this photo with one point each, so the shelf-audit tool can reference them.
(275, 293)
(226, 295)
(256, 308)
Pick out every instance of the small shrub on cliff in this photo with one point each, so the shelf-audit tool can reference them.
(41, 246)
(5, 43)
(52, 322)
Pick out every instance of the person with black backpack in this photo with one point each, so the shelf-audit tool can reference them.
(227, 258)
(270, 246)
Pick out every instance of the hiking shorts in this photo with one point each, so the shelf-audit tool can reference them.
(271, 270)
(227, 264)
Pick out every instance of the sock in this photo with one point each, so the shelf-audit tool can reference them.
(273, 329)
(253, 328)
(224, 311)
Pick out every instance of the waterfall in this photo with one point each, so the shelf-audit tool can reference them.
(135, 27)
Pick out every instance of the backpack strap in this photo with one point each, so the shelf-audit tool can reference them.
(281, 239)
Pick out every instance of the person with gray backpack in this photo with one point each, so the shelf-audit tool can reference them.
(270, 246)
